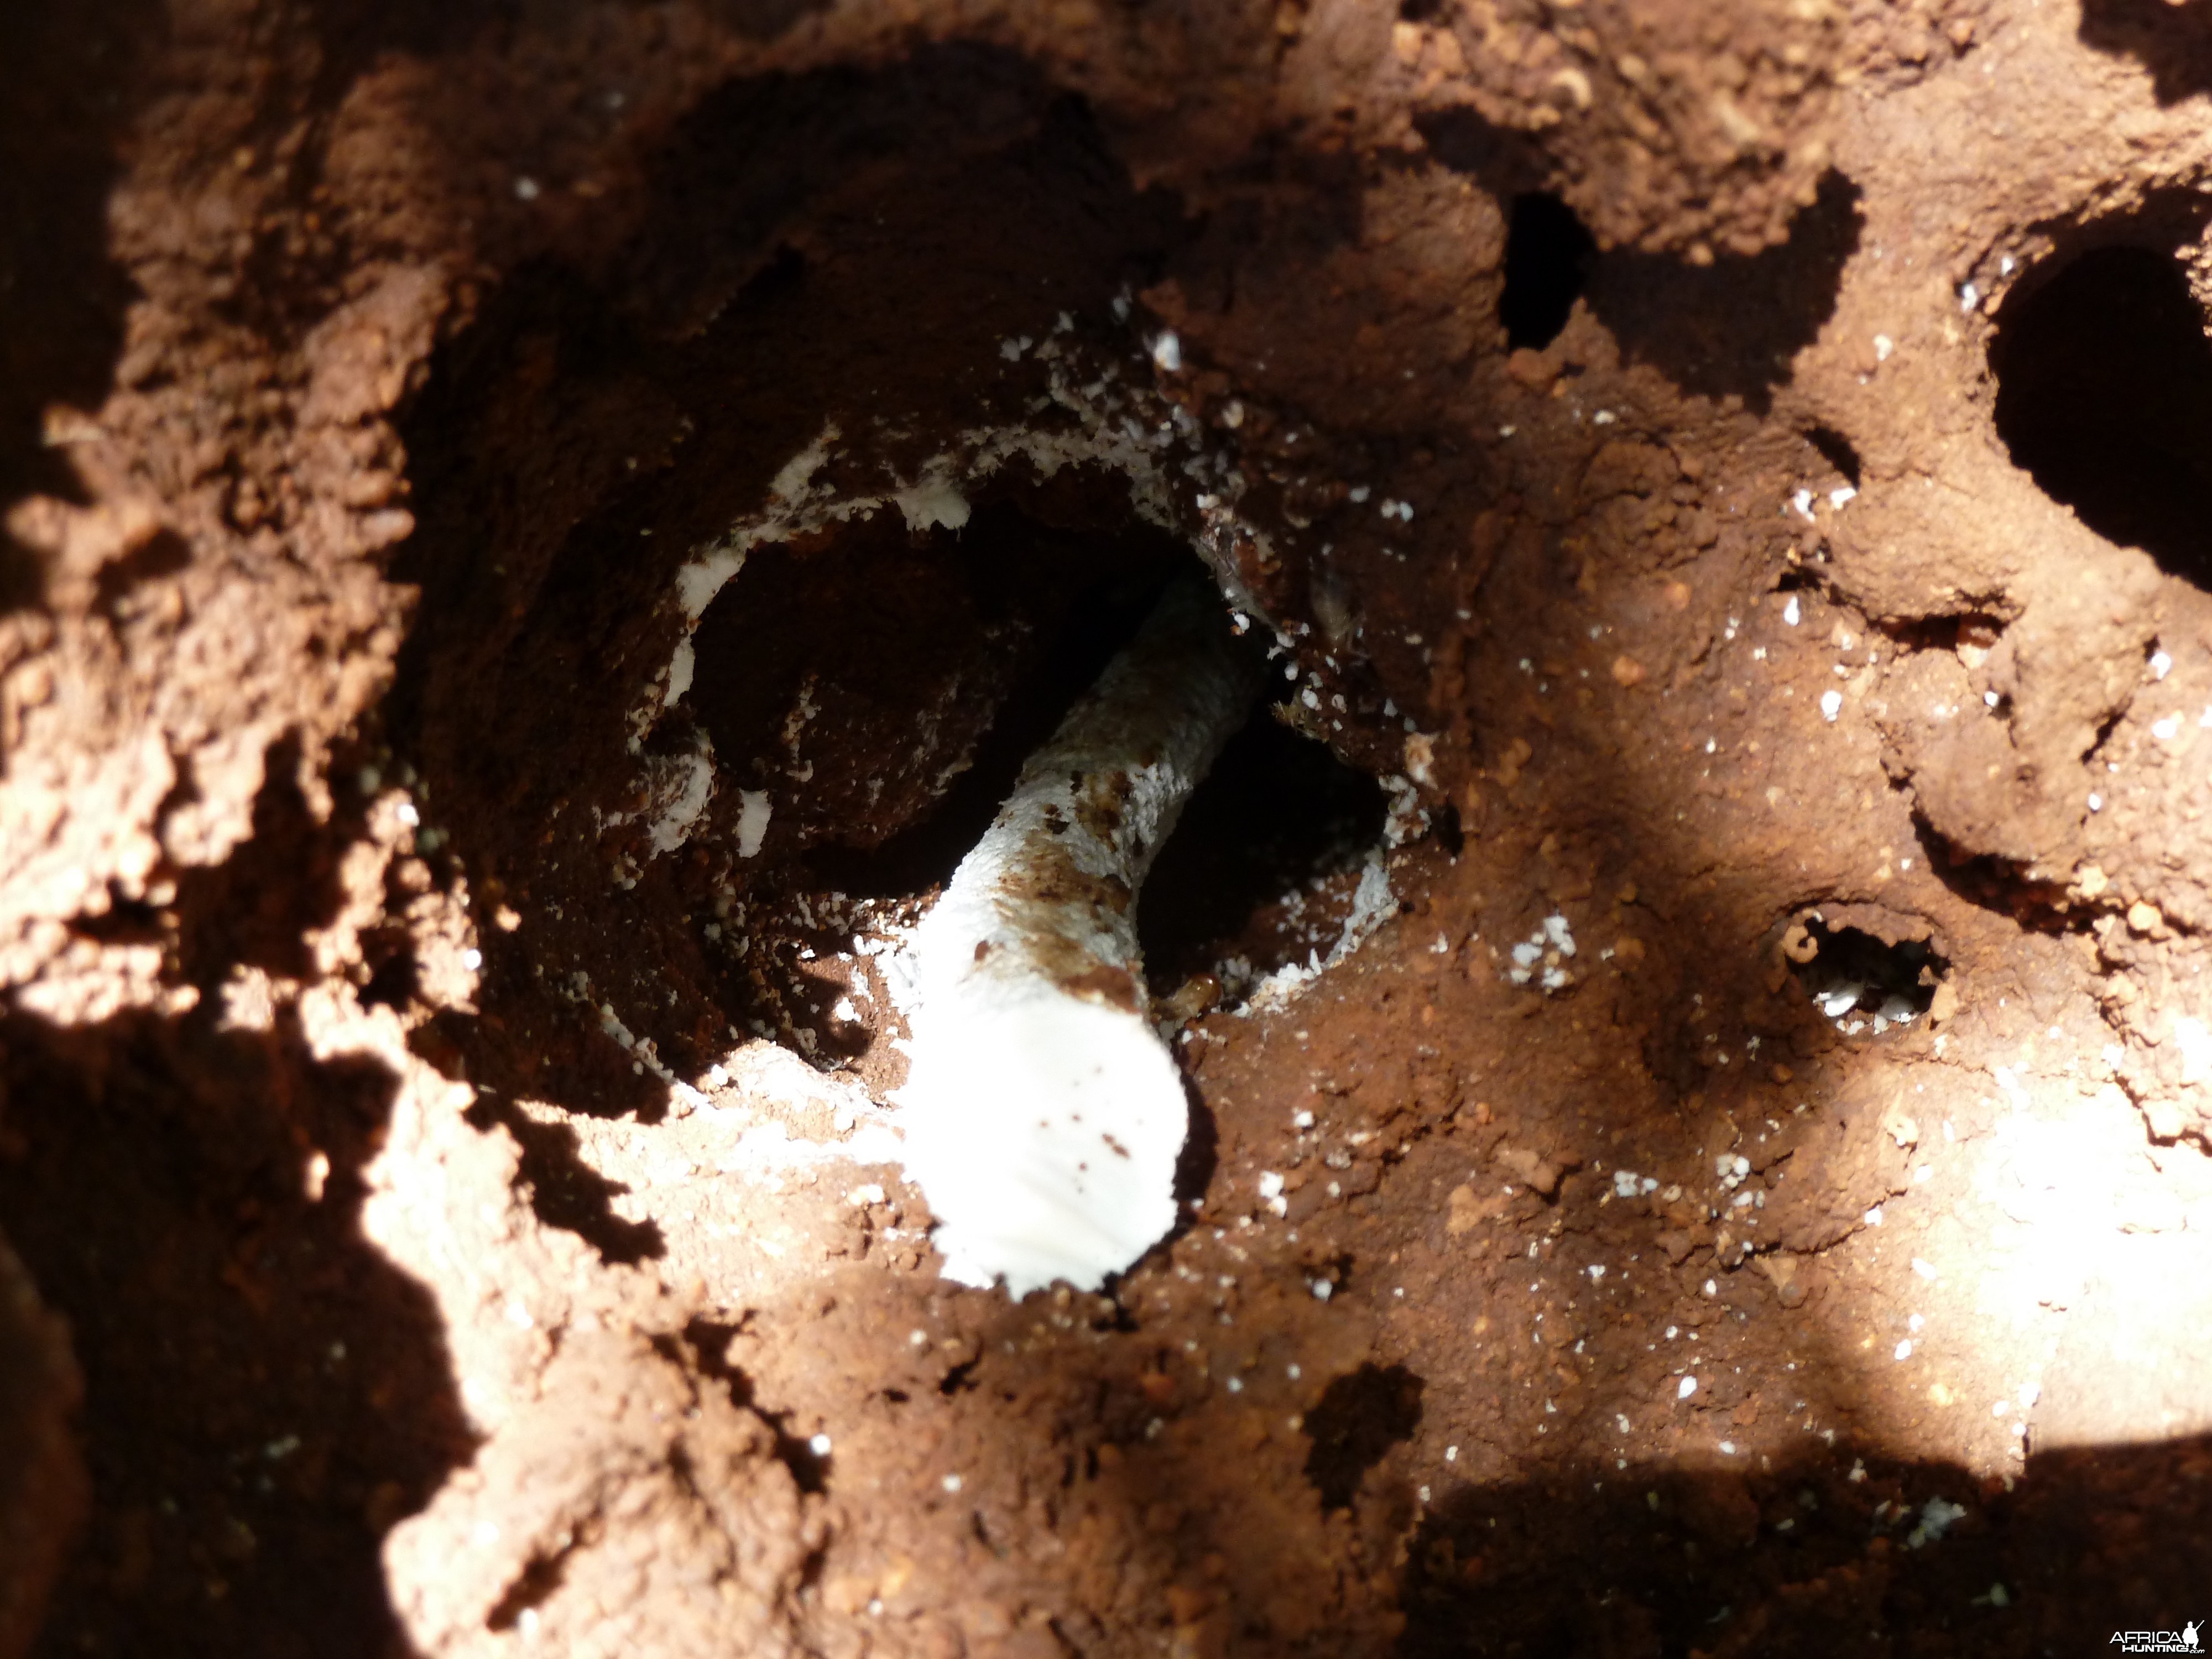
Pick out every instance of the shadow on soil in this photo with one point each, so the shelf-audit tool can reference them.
(2174, 42)
(66, 98)
(1728, 328)
(265, 1395)
(1733, 326)
(1725, 1563)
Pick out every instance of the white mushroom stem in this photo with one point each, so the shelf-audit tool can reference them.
(1042, 1115)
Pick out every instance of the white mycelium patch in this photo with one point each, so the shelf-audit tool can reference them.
(1042, 1115)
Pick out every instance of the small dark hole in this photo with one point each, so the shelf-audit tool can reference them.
(2105, 727)
(1852, 976)
(1451, 837)
(1548, 257)
(1948, 632)
(394, 980)
(958, 1380)
(810, 1470)
(126, 922)
(783, 273)
(1262, 864)
(1076, 629)
(1835, 449)
(2105, 396)
(1361, 1416)
(533, 1588)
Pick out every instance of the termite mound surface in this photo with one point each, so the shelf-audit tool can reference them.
(757, 422)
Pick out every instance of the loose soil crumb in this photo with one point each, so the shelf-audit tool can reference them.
(533, 545)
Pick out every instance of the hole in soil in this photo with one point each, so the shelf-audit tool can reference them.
(1837, 450)
(1056, 605)
(959, 1379)
(1363, 1414)
(1003, 626)
(988, 635)
(532, 1589)
(1548, 257)
(746, 843)
(1857, 980)
(2105, 396)
(1259, 872)
(1970, 635)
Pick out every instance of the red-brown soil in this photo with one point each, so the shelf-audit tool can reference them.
(1733, 483)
